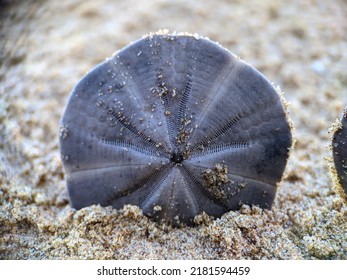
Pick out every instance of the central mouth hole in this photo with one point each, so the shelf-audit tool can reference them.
(176, 158)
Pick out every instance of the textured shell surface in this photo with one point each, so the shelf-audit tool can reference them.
(339, 145)
(177, 125)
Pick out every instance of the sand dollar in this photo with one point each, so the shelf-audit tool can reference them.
(178, 125)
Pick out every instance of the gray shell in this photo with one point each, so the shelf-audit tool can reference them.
(176, 125)
(339, 145)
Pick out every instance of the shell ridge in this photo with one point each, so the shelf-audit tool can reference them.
(224, 73)
(235, 174)
(219, 132)
(158, 152)
(138, 98)
(197, 205)
(147, 182)
(162, 87)
(176, 124)
(155, 187)
(81, 171)
(146, 139)
(183, 106)
(156, 194)
(219, 148)
(168, 117)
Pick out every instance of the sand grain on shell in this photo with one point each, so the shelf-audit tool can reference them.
(302, 47)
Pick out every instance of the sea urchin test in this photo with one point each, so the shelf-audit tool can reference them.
(339, 147)
(177, 125)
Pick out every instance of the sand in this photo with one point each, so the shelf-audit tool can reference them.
(47, 46)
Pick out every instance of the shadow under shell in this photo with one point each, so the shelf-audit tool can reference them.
(176, 125)
(339, 145)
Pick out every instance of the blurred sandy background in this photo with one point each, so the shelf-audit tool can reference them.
(47, 46)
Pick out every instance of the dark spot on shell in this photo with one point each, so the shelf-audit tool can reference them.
(206, 133)
(176, 158)
(339, 146)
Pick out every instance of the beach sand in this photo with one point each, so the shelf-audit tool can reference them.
(47, 47)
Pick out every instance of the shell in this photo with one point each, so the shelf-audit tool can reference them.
(339, 147)
(177, 125)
